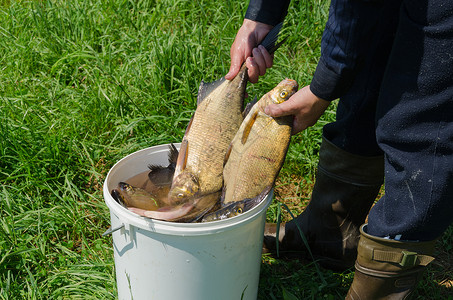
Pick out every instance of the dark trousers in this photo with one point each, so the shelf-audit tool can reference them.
(401, 104)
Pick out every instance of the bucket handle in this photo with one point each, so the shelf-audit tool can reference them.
(112, 230)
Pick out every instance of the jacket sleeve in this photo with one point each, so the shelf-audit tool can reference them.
(344, 45)
(270, 12)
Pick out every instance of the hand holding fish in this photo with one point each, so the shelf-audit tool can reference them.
(197, 170)
(245, 49)
(306, 107)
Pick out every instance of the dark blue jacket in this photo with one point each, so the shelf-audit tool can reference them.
(344, 41)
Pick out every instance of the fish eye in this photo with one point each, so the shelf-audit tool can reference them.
(180, 195)
(239, 210)
(283, 94)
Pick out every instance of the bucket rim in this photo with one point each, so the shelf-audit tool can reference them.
(173, 228)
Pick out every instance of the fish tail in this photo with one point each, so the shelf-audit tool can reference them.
(269, 41)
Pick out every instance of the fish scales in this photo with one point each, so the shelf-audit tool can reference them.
(215, 122)
(262, 162)
(210, 131)
(207, 138)
(254, 161)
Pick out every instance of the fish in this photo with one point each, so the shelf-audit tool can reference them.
(149, 197)
(187, 212)
(234, 209)
(148, 190)
(130, 196)
(217, 118)
(231, 210)
(258, 150)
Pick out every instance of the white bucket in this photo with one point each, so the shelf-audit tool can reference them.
(165, 260)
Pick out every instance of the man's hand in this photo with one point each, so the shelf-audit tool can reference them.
(245, 49)
(306, 107)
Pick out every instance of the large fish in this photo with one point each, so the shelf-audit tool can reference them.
(210, 131)
(258, 149)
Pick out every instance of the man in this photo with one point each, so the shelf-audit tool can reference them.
(391, 64)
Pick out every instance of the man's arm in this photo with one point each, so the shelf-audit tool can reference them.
(343, 46)
(269, 12)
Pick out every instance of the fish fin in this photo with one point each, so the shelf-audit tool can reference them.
(155, 168)
(177, 214)
(201, 205)
(188, 126)
(206, 88)
(138, 211)
(248, 126)
(227, 154)
(172, 156)
(182, 158)
(159, 176)
(222, 197)
(249, 106)
(271, 38)
(249, 203)
(164, 213)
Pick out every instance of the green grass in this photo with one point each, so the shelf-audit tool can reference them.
(84, 83)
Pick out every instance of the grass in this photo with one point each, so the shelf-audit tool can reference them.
(84, 83)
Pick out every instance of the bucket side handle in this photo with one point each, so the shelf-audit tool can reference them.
(112, 230)
(125, 228)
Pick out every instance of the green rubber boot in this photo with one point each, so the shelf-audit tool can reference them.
(388, 269)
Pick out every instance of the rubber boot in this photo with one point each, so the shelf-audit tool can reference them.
(345, 188)
(388, 269)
